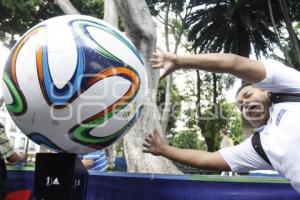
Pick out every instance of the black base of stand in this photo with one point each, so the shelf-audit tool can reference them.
(59, 176)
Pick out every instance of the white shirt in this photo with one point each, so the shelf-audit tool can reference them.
(280, 138)
(225, 142)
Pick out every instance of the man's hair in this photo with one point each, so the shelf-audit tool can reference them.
(241, 87)
(224, 131)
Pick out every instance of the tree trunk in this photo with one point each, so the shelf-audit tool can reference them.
(284, 50)
(166, 24)
(140, 28)
(209, 138)
(168, 94)
(111, 16)
(67, 7)
(200, 123)
(292, 35)
(168, 105)
(215, 91)
(110, 13)
(210, 142)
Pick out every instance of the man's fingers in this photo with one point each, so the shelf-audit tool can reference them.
(156, 62)
(147, 146)
(146, 151)
(153, 60)
(151, 136)
(156, 134)
(148, 140)
(157, 66)
(164, 74)
(156, 55)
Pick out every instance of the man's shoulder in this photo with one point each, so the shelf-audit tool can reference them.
(279, 78)
(273, 63)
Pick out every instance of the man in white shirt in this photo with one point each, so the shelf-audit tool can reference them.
(276, 118)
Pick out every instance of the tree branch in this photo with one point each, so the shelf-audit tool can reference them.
(292, 35)
(110, 13)
(284, 50)
(67, 7)
(140, 27)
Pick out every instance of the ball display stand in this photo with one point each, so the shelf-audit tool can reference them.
(59, 176)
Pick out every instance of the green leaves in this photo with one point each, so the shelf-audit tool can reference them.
(157, 6)
(232, 27)
(187, 140)
(17, 16)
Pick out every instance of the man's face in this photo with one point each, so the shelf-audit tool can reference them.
(221, 134)
(254, 104)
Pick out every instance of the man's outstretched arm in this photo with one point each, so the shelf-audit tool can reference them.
(247, 69)
(196, 158)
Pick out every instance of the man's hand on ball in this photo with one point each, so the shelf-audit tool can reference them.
(154, 144)
(164, 60)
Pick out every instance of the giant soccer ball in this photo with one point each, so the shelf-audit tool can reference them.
(74, 83)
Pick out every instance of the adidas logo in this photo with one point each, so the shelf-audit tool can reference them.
(55, 182)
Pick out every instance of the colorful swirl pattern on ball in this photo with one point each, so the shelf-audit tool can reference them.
(19, 105)
(80, 26)
(80, 133)
(43, 140)
(88, 49)
(58, 98)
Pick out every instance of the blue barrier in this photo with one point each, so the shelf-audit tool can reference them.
(126, 186)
